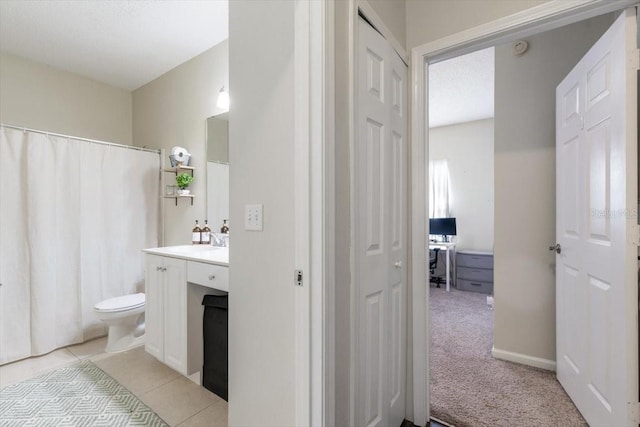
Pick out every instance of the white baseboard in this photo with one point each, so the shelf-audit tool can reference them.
(195, 377)
(536, 362)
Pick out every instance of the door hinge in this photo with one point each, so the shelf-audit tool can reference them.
(634, 413)
(297, 277)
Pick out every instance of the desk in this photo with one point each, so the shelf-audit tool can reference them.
(448, 247)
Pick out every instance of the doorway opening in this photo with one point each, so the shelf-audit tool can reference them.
(461, 164)
(524, 174)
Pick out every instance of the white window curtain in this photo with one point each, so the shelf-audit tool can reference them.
(74, 217)
(439, 189)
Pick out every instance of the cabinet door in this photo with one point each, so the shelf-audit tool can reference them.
(154, 320)
(175, 314)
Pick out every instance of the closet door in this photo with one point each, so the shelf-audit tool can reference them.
(380, 232)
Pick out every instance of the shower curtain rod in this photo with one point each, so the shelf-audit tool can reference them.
(94, 141)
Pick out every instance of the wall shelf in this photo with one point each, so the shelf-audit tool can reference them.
(180, 169)
(177, 170)
(190, 196)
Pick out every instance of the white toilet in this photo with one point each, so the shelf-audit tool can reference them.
(125, 318)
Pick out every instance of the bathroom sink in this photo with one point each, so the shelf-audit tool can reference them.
(189, 249)
(203, 253)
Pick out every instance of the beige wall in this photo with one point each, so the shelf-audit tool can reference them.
(392, 13)
(172, 111)
(37, 96)
(342, 258)
(468, 149)
(524, 269)
(430, 20)
(261, 153)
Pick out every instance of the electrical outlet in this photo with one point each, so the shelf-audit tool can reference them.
(253, 217)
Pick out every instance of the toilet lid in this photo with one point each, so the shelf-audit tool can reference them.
(125, 302)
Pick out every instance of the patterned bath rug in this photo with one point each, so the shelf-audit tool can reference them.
(80, 394)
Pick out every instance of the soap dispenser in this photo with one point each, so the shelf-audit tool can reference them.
(195, 233)
(225, 227)
(205, 234)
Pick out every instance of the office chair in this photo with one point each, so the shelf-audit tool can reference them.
(433, 264)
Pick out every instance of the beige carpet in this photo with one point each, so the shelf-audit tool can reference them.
(471, 388)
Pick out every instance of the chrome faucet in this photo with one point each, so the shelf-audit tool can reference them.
(219, 239)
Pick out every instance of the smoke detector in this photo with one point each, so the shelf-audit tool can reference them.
(520, 47)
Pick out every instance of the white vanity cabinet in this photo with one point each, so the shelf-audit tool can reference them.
(210, 276)
(177, 278)
(166, 311)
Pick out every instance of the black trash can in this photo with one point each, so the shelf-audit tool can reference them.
(215, 370)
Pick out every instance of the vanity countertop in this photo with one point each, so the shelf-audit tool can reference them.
(201, 253)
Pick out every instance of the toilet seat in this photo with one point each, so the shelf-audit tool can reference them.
(123, 303)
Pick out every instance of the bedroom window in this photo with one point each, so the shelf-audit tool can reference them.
(438, 189)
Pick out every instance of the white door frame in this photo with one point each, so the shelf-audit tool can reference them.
(314, 176)
(541, 18)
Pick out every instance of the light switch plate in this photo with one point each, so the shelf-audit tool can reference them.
(253, 217)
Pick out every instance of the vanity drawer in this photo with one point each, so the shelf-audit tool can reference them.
(209, 275)
(475, 274)
(474, 286)
(474, 260)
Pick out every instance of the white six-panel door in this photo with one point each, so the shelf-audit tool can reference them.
(380, 163)
(596, 270)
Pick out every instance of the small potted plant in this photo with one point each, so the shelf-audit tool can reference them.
(183, 180)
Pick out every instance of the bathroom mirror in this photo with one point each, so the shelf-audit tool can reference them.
(217, 136)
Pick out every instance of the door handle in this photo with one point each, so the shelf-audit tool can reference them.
(556, 248)
(398, 264)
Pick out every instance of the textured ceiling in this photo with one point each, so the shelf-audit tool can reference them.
(124, 43)
(462, 89)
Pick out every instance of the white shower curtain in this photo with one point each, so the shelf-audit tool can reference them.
(74, 216)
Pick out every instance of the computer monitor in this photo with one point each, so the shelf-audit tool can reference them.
(442, 226)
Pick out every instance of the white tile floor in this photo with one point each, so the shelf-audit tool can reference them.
(177, 400)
